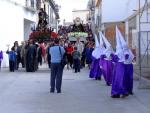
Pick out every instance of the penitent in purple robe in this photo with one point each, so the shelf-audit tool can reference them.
(107, 71)
(95, 71)
(128, 78)
(102, 62)
(118, 86)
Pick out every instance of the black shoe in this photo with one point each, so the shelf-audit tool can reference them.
(115, 96)
(108, 84)
(131, 93)
(98, 78)
(58, 91)
(52, 91)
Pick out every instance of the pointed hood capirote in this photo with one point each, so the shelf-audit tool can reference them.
(122, 47)
(96, 52)
(101, 42)
(108, 51)
(119, 48)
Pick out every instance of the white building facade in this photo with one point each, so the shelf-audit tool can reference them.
(133, 24)
(16, 19)
(136, 24)
(52, 10)
(15, 22)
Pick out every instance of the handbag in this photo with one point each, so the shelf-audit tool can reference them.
(63, 58)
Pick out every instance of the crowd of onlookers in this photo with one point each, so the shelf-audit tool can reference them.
(63, 30)
(79, 53)
(31, 54)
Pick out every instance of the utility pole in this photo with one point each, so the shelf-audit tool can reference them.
(139, 43)
(93, 16)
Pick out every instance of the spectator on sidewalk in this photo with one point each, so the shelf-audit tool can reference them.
(69, 51)
(12, 59)
(76, 60)
(79, 45)
(88, 52)
(83, 57)
(30, 56)
(17, 50)
(22, 54)
(56, 53)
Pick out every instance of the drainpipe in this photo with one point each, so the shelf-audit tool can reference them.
(93, 16)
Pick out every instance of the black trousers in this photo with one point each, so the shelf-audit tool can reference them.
(83, 61)
(11, 65)
(70, 59)
(56, 76)
(76, 65)
(22, 62)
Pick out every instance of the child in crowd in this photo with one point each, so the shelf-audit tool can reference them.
(12, 59)
(76, 60)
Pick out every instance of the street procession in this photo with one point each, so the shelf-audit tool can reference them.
(114, 65)
(74, 56)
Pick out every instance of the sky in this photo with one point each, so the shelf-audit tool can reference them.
(67, 6)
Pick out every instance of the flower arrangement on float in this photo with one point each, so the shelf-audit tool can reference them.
(41, 32)
(42, 35)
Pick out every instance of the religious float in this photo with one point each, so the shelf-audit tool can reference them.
(42, 32)
(76, 30)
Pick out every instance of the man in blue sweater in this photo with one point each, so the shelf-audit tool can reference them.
(56, 53)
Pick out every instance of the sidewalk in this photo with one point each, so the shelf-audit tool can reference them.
(22, 92)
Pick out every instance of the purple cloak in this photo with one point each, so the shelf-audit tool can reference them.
(128, 78)
(107, 71)
(118, 86)
(95, 71)
(1, 55)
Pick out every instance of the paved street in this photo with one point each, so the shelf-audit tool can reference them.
(22, 92)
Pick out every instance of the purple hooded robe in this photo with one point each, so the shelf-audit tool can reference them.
(118, 84)
(95, 71)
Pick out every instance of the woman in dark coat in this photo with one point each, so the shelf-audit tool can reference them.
(89, 50)
(30, 57)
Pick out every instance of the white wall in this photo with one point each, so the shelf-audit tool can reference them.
(113, 10)
(21, 2)
(133, 5)
(11, 27)
(12, 22)
(27, 28)
(119, 10)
